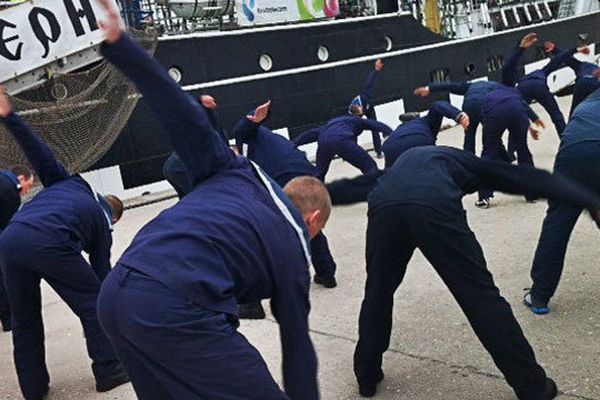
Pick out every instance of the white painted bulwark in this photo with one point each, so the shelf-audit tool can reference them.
(40, 32)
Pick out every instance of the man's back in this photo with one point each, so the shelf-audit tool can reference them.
(66, 213)
(214, 246)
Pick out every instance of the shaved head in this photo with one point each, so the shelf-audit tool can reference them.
(311, 197)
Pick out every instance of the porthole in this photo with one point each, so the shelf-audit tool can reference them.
(323, 53)
(469, 68)
(59, 91)
(175, 74)
(389, 44)
(265, 62)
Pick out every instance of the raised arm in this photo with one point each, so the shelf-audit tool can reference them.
(367, 89)
(510, 74)
(243, 131)
(306, 137)
(200, 148)
(46, 166)
(291, 306)
(570, 62)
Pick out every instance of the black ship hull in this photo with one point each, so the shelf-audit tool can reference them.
(305, 91)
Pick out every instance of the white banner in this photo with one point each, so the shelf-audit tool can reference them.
(40, 32)
(257, 12)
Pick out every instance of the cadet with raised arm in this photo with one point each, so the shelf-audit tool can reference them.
(44, 240)
(170, 305)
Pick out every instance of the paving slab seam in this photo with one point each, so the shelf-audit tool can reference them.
(469, 368)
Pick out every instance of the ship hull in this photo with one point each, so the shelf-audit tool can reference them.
(306, 92)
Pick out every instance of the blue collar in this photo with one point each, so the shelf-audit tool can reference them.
(13, 178)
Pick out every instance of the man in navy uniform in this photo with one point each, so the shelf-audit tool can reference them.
(504, 109)
(338, 137)
(282, 161)
(170, 305)
(45, 240)
(534, 85)
(417, 203)
(361, 104)
(14, 183)
(473, 93)
(586, 73)
(421, 131)
(579, 159)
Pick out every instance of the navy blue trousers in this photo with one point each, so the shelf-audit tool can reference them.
(371, 114)
(322, 259)
(583, 88)
(348, 150)
(394, 147)
(174, 349)
(580, 162)
(393, 234)
(25, 261)
(537, 89)
(505, 116)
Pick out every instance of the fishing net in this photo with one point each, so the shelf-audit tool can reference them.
(79, 115)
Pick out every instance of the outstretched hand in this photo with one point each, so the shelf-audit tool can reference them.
(208, 102)
(540, 123)
(112, 25)
(528, 40)
(261, 113)
(379, 65)
(535, 134)
(549, 46)
(422, 91)
(583, 50)
(5, 108)
(464, 121)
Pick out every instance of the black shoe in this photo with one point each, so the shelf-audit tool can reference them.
(117, 377)
(537, 306)
(329, 283)
(251, 311)
(369, 389)
(44, 394)
(551, 390)
(6, 322)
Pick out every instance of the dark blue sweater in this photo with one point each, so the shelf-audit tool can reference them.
(473, 93)
(584, 124)
(428, 125)
(235, 237)
(276, 155)
(66, 212)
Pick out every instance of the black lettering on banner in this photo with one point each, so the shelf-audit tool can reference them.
(4, 51)
(42, 36)
(76, 15)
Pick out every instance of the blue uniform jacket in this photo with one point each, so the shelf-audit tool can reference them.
(276, 155)
(584, 124)
(235, 237)
(347, 127)
(473, 92)
(503, 93)
(67, 211)
(428, 125)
